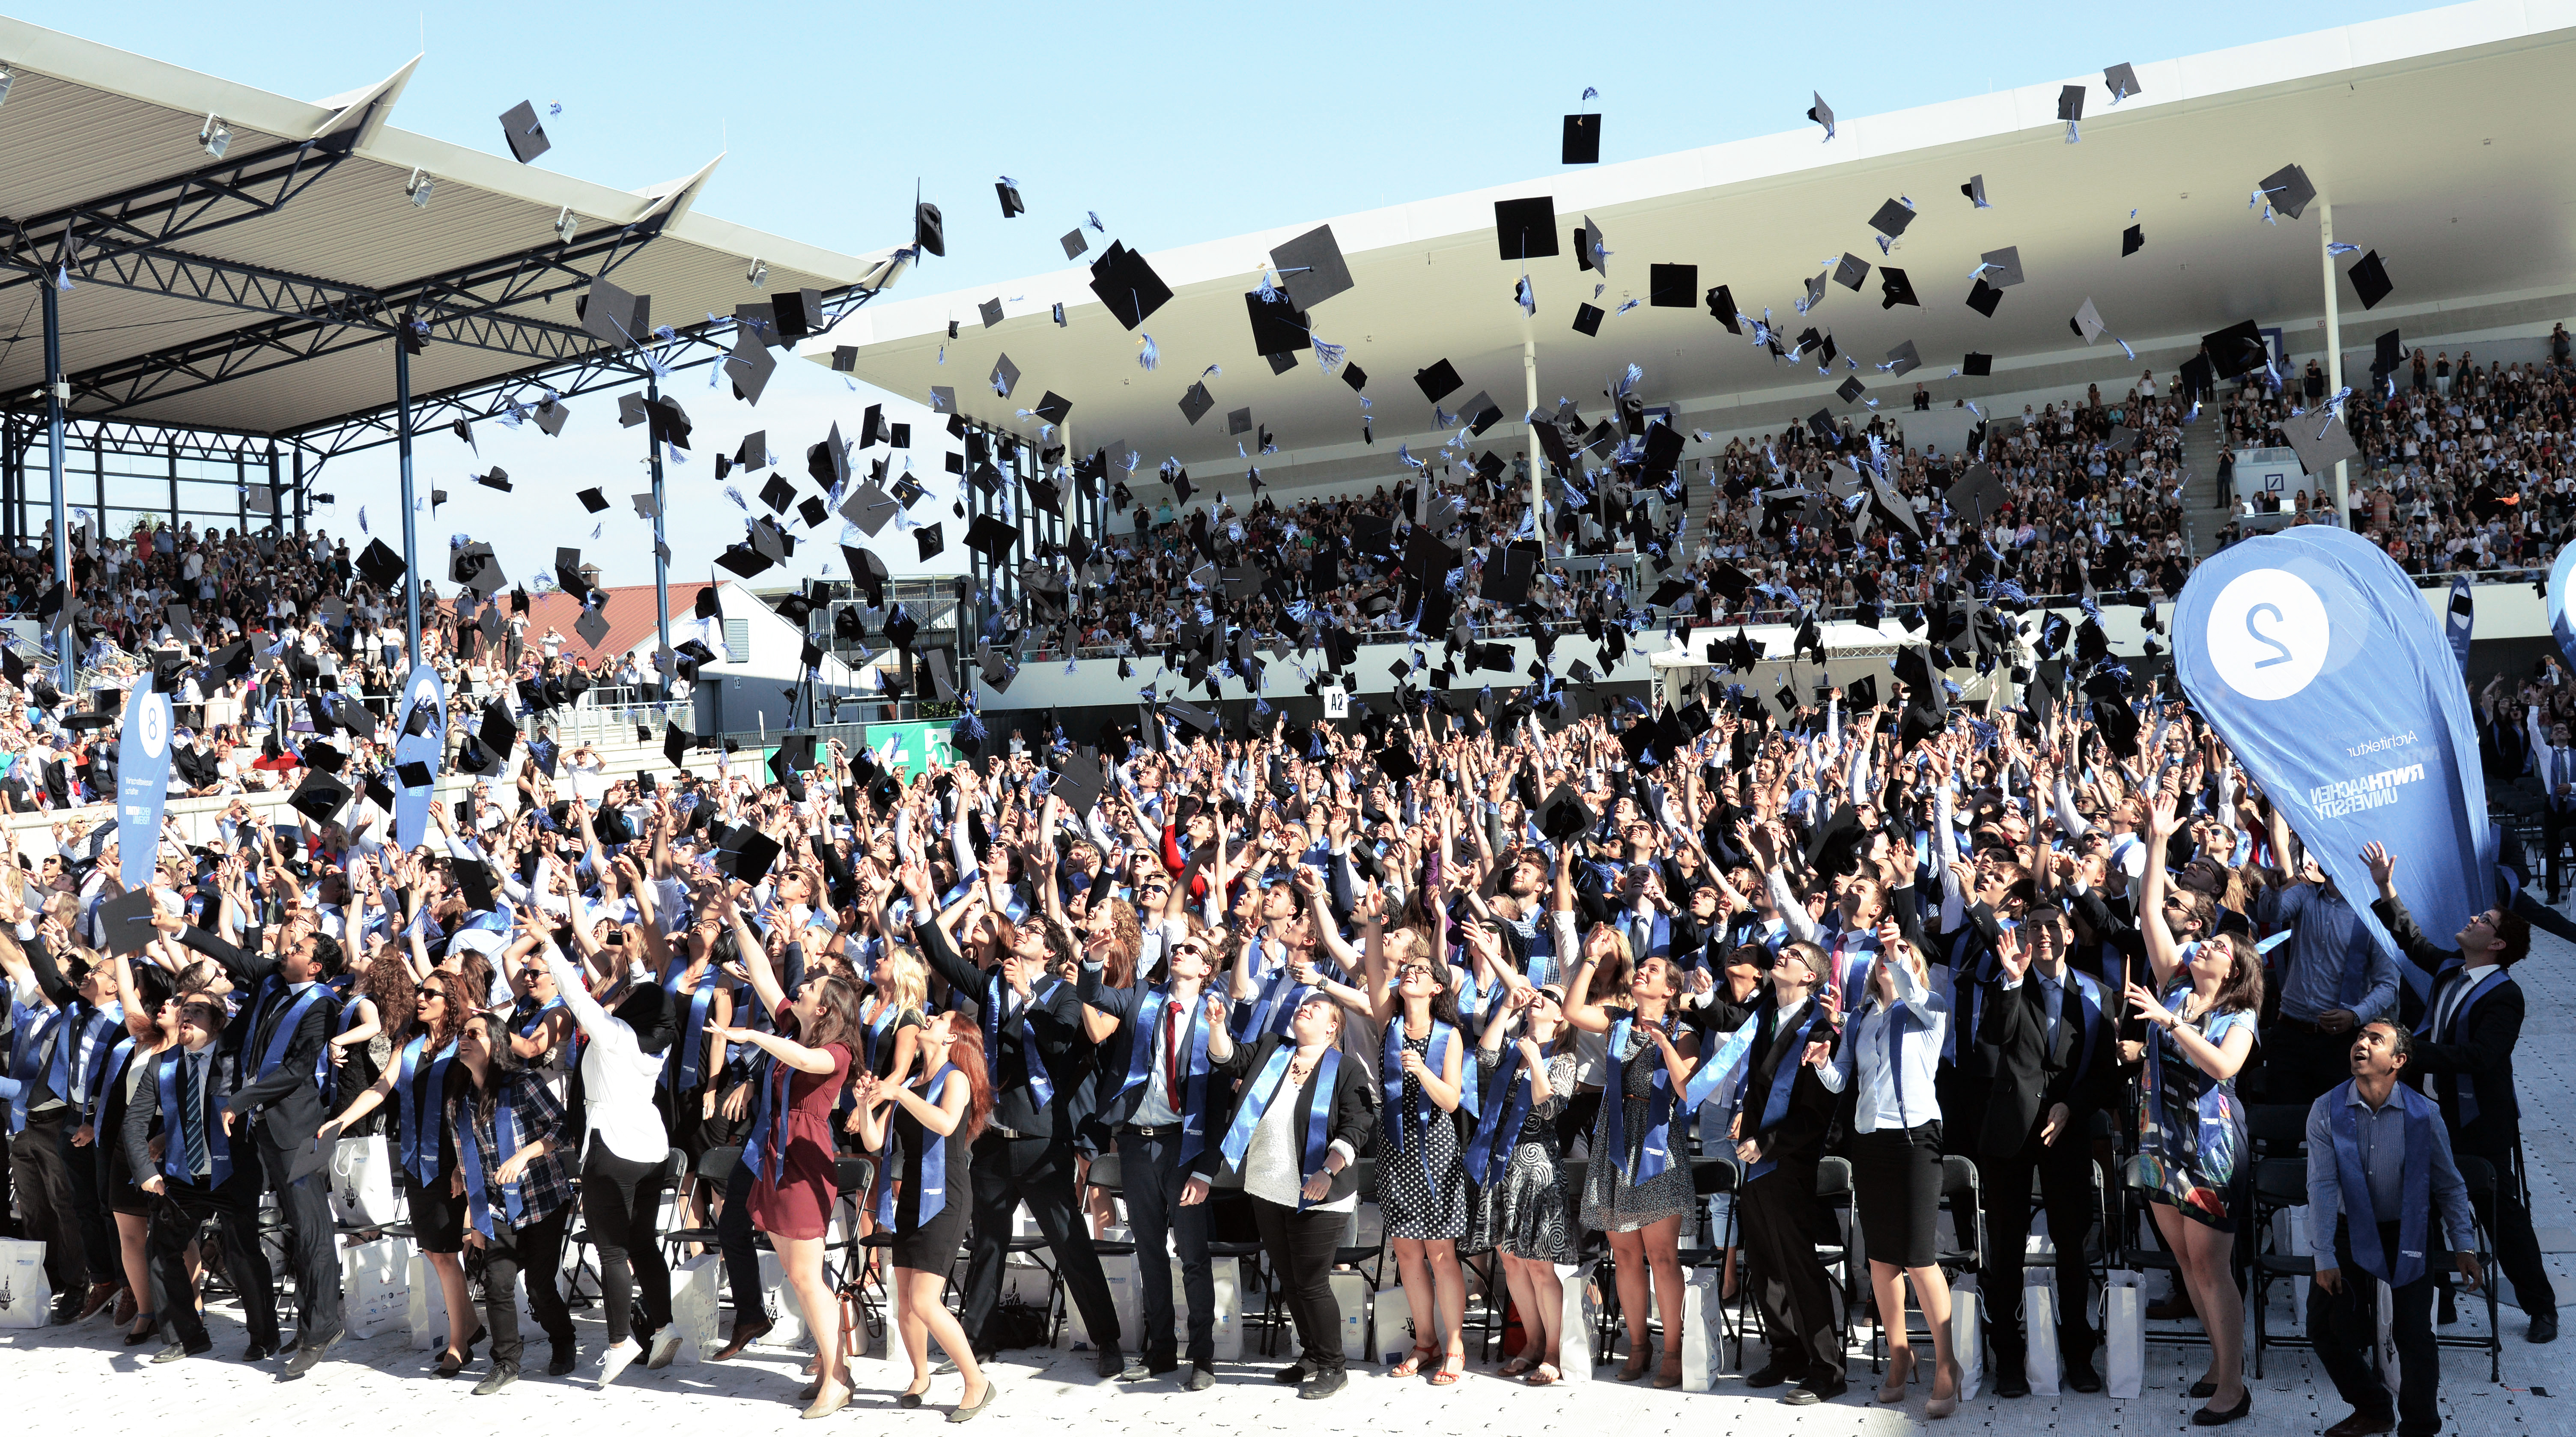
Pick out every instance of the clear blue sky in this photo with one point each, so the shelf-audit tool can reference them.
(1175, 122)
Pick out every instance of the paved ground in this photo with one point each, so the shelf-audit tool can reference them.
(381, 1386)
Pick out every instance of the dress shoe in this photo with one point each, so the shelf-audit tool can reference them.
(1765, 1376)
(1900, 1367)
(2080, 1374)
(100, 1295)
(1290, 1375)
(744, 1335)
(1111, 1362)
(1201, 1378)
(310, 1353)
(2174, 1306)
(177, 1350)
(1136, 1370)
(2207, 1417)
(149, 1330)
(1810, 1394)
(965, 1413)
(2544, 1327)
(502, 1375)
(2012, 1380)
(2363, 1424)
(2204, 1389)
(825, 1406)
(124, 1307)
(1159, 1366)
(1936, 1408)
(567, 1358)
(1323, 1385)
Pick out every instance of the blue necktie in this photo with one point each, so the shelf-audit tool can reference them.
(192, 1111)
(2053, 998)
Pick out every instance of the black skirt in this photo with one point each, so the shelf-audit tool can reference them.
(437, 1216)
(1896, 1182)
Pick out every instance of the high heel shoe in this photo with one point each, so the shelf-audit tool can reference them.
(1936, 1408)
(149, 1330)
(1640, 1358)
(1668, 1374)
(1900, 1369)
(2205, 1417)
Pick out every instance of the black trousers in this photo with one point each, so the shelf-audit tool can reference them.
(43, 1179)
(620, 1201)
(2065, 1171)
(536, 1250)
(1301, 1247)
(740, 1244)
(1038, 1172)
(1790, 1285)
(2302, 1064)
(2345, 1326)
(2517, 1248)
(312, 1253)
(97, 1229)
(1149, 1174)
(175, 1219)
(2555, 826)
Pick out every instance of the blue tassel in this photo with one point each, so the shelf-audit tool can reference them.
(1525, 296)
(1328, 355)
(1632, 304)
(1147, 355)
(1269, 292)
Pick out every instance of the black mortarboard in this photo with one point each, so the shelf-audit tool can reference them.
(1983, 298)
(1565, 815)
(1054, 407)
(2287, 190)
(1525, 229)
(2370, 280)
(2132, 240)
(499, 479)
(1894, 288)
(1851, 271)
(1582, 144)
(2388, 353)
(524, 132)
(1977, 364)
(380, 565)
(1437, 382)
(1311, 268)
(1851, 389)
(1278, 327)
(926, 230)
(2235, 349)
(777, 493)
(319, 796)
(1892, 218)
(1196, 402)
(1128, 285)
(930, 541)
(1672, 286)
(992, 536)
(1587, 319)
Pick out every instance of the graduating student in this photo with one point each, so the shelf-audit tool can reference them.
(199, 1172)
(923, 1132)
(2463, 1058)
(1516, 1159)
(1302, 1113)
(1171, 1038)
(1786, 1109)
(2380, 1176)
(1421, 1174)
(512, 1145)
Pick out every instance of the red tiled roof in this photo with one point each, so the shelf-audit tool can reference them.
(629, 611)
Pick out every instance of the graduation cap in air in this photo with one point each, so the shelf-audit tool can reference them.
(1582, 142)
(2235, 349)
(1978, 365)
(1311, 268)
(2087, 322)
(499, 479)
(1278, 326)
(320, 796)
(2370, 280)
(613, 316)
(1438, 381)
(1895, 289)
(1821, 113)
(930, 541)
(1587, 319)
(749, 366)
(2387, 353)
(1983, 297)
(380, 565)
(1672, 286)
(2287, 190)
(1196, 402)
(2132, 240)
(993, 537)
(525, 134)
(1525, 228)
(1851, 271)
(1565, 815)
(1127, 285)
(2322, 440)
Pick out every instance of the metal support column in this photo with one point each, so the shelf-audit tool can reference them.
(1537, 462)
(2334, 346)
(411, 537)
(54, 396)
(661, 549)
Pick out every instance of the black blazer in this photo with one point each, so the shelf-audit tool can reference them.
(1053, 1014)
(290, 1105)
(1799, 1137)
(2484, 1050)
(2033, 1074)
(1354, 1120)
(1107, 1107)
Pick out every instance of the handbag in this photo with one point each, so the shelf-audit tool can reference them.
(362, 1182)
(2124, 1334)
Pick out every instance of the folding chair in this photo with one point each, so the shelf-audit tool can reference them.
(2480, 1177)
(1834, 1199)
(2279, 1183)
(1715, 1177)
(1962, 1190)
(715, 1169)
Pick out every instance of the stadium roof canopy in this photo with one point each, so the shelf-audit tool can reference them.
(2430, 138)
(258, 291)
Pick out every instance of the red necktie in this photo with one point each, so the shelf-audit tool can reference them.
(1174, 1019)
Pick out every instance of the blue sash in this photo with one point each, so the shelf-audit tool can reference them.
(1654, 1151)
(115, 1069)
(1040, 1084)
(1784, 1079)
(684, 1066)
(1191, 1103)
(469, 1154)
(527, 1027)
(1256, 1102)
(767, 1149)
(34, 1032)
(1506, 1108)
(2091, 1002)
(1280, 999)
(2361, 1220)
(419, 1133)
(284, 1032)
(174, 1144)
(934, 1164)
(2467, 1082)
(1391, 1080)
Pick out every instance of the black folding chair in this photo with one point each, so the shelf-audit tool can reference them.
(715, 1169)
(2280, 1183)
(2480, 1177)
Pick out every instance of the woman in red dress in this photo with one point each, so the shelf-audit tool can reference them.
(792, 1201)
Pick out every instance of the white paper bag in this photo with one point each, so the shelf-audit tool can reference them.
(1228, 1325)
(1390, 1325)
(1574, 1335)
(1967, 1337)
(696, 1297)
(1126, 1290)
(362, 1182)
(2383, 1331)
(1351, 1300)
(778, 1300)
(26, 1296)
(2039, 1330)
(425, 1303)
(1703, 1316)
(2290, 1231)
(375, 1286)
(2124, 1334)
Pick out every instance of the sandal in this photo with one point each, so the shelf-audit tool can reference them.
(1514, 1367)
(1412, 1365)
(1543, 1375)
(1452, 1367)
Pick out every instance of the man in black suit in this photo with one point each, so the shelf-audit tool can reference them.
(2056, 1061)
(289, 1017)
(1781, 1139)
(2463, 1053)
(1040, 1055)
(200, 1173)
